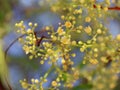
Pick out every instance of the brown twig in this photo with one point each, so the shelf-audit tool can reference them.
(40, 40)
(35, 33)
(109, 8)
(114, 8)
(10, 88)
(12, 44)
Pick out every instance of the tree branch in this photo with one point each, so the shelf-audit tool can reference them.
(109, 8)
(12, 44)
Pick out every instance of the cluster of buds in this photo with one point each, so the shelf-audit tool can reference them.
(82, 29)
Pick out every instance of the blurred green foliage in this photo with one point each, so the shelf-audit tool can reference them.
(4, 68)
(5, 9)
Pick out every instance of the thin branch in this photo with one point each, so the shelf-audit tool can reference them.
(40, 40)
(35, 33)
(10, 88)
(109, 8)
(114, 8)
(12, 44)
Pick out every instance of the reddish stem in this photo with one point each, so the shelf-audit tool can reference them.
(35, 33)
(109, 8)
(114, 8)
(39, 40)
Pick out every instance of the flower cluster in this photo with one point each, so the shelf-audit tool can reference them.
(82, 30)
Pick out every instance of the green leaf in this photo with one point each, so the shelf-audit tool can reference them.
(3, 67)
